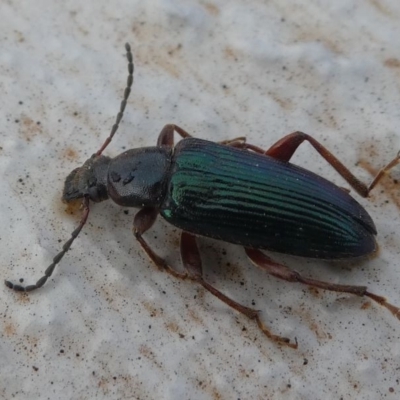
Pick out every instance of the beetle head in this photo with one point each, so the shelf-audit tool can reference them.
(89, 180)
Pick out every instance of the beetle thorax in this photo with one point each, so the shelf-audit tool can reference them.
(88, 180)
(139, 177)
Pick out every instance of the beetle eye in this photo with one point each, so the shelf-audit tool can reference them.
(92, 182)
(93, 193)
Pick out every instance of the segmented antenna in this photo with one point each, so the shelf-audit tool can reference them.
(85, 204)
(124, 100)
(58, 257)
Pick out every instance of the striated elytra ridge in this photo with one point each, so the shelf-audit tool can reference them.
(254, 200)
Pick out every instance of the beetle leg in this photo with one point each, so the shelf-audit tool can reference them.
(192, 263)
(282, 272)
(284, 149)
(143, 221)
(166, 137)
(246, 146)
(384, 171)
(239, 141)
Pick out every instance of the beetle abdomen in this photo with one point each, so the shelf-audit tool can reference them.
(254, 200)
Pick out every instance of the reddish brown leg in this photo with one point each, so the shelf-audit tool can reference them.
(282, 272)
(239, 141)
(285, 148)
(192, 263)
(166, 137)
(247, 146)
(143, 221)
(191, 260)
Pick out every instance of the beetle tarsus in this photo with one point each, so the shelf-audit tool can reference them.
(280, 271)
(383, 302)
(384, 171)
(278, 339)
(191, 261)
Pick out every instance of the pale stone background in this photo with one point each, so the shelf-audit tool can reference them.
(109, 325)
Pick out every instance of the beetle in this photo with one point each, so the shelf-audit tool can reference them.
(231, 191)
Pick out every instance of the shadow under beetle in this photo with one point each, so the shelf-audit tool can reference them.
(235, 192)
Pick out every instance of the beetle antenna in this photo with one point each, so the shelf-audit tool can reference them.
(124, 100)
(58, 257)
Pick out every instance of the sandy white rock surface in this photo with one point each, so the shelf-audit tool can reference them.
(109, 325)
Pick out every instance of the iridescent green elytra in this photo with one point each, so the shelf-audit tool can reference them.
(260, 202)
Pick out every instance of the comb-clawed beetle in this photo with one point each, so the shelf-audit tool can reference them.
(235, 192)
